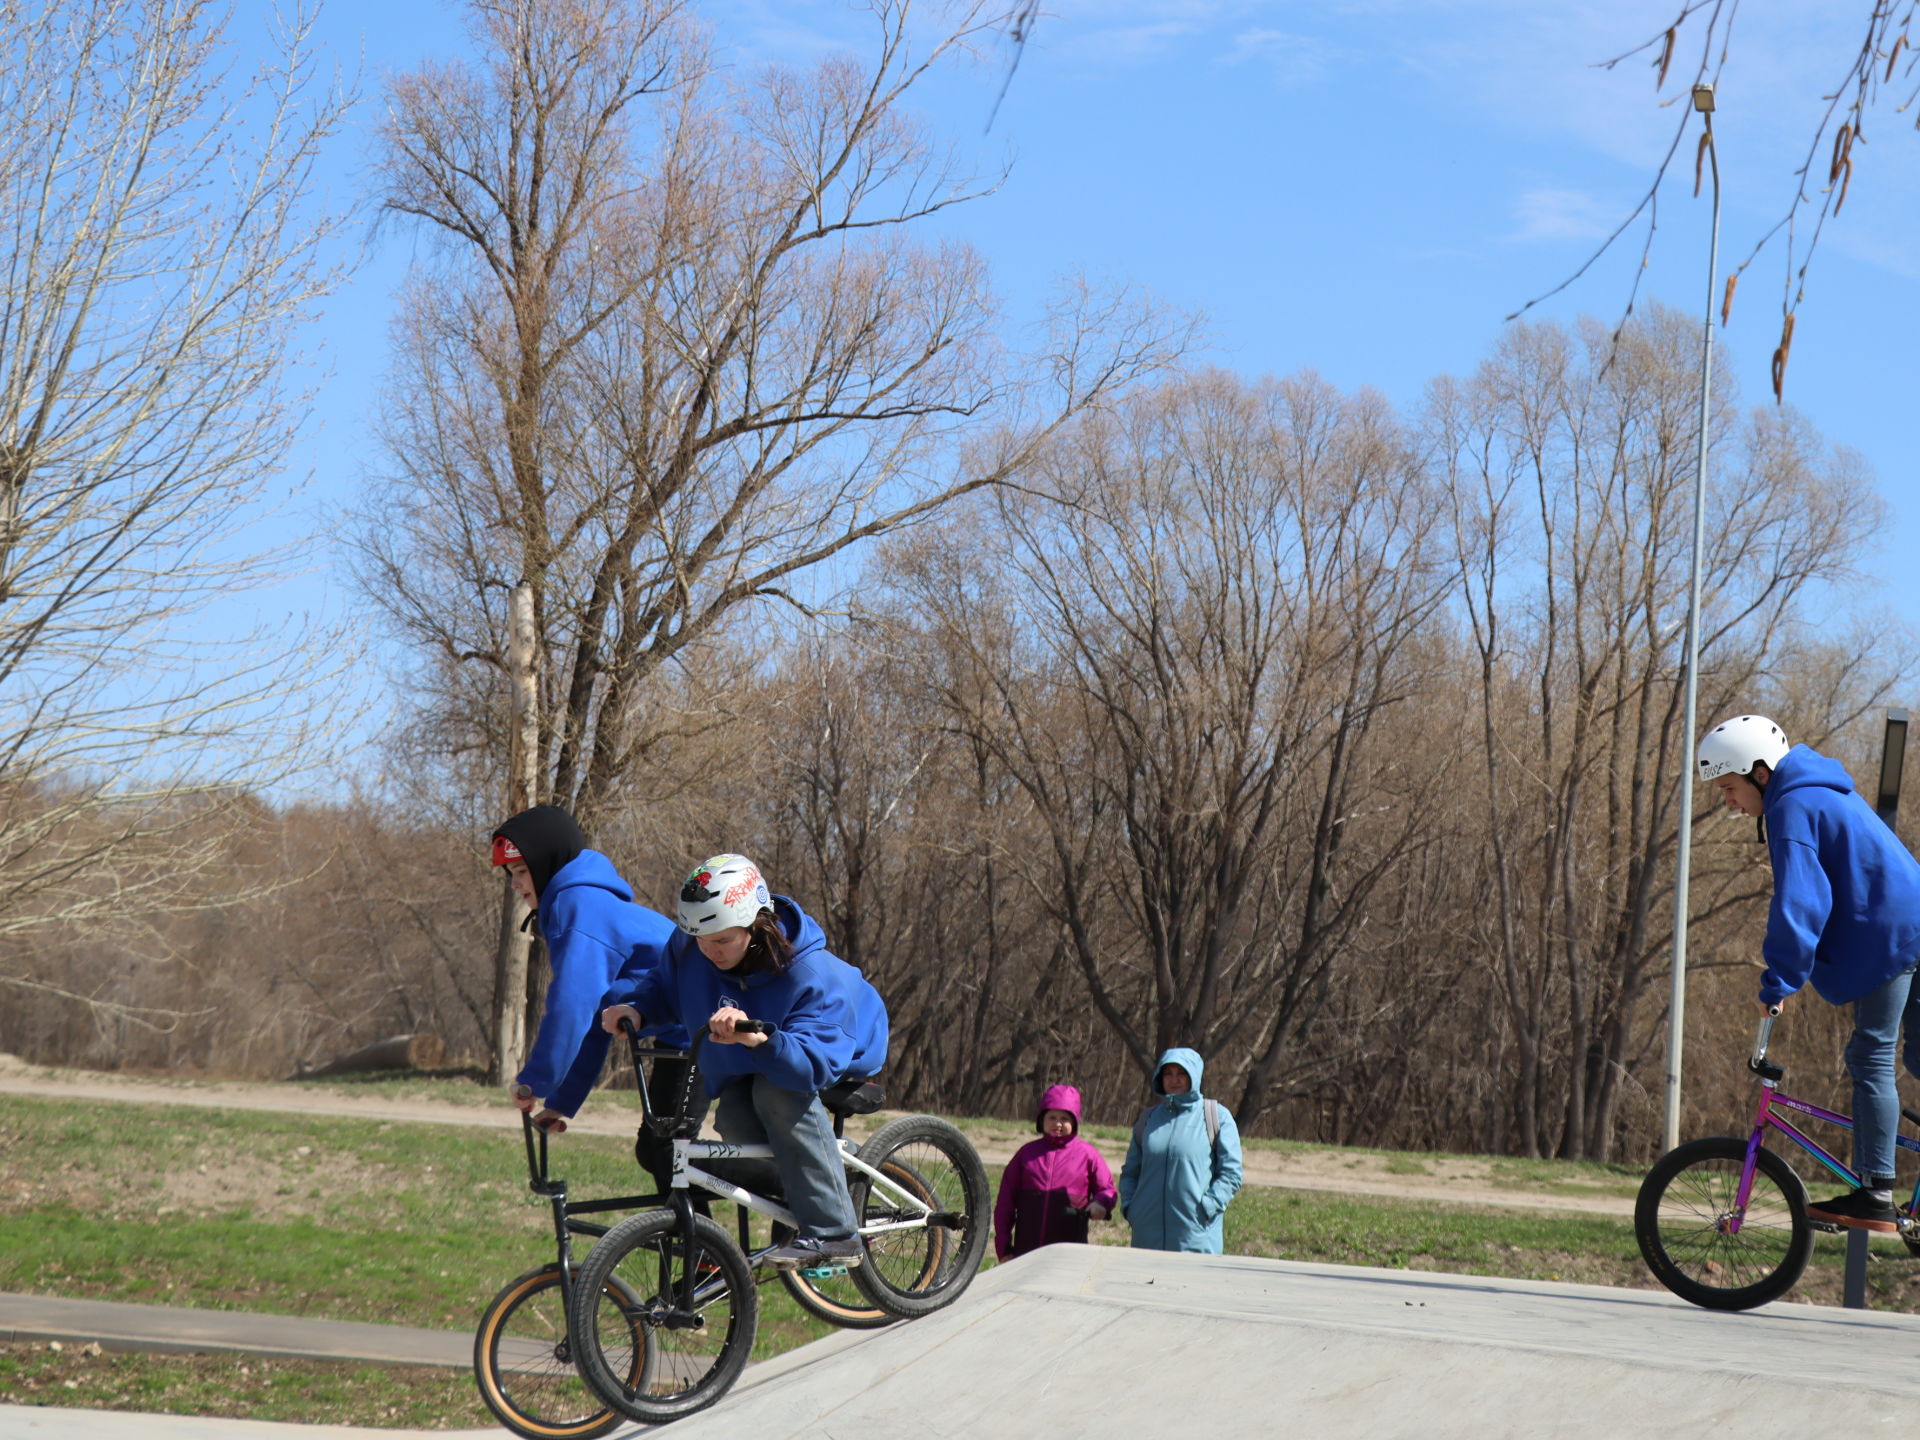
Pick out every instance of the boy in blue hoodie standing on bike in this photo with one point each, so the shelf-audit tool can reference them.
(1845, 916)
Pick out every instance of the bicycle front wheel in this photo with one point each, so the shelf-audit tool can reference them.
(523, 1362)
(918, 1261)
(694, 1351)
(1699, 1243)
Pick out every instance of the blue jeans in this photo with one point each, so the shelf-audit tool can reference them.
(755, 1111)
(1877, 1018)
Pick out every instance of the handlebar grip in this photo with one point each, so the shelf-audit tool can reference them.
(753, 1027)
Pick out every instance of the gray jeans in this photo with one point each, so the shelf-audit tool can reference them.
(755, 1111)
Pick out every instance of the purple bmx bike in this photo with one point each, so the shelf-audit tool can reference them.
(1723, 1222)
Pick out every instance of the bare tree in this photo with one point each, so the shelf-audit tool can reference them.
(1178, 645)
(160, 250)
(1568, 464)
(676, 355)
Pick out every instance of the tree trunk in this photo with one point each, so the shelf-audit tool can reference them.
(512, 980)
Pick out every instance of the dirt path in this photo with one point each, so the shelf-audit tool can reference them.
(1452, 1180)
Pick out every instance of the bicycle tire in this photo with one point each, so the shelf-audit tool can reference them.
(915, 1271)
(688, 1366)
(1680, 1221)
(838, 1299)
(523, 1363)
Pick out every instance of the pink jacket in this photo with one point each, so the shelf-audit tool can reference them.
(1044, 1180)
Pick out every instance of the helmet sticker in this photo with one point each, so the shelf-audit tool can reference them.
(743, 887)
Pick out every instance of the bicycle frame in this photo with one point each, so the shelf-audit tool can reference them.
(1772, 1100)
(686, 1176)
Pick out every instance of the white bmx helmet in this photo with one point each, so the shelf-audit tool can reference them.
(721, 893)
(1734, 747)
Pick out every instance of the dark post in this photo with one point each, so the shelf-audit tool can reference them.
(1886, 804)
(1893, 763)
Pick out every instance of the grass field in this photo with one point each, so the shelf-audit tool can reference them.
(417, 1224)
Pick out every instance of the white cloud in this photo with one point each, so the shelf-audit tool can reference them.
(1293, 59)
(1129, 44)
(1561, 214)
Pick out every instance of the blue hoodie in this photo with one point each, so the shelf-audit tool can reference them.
(595, 937)
(1846, 892)
(1175, 1186)
(829, 1022)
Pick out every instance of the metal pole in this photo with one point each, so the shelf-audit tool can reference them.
(1893, 764)
(1677, 1010)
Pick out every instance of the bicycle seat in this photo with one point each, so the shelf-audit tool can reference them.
(853, 1096)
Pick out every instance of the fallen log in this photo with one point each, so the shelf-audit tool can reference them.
(397, 1052)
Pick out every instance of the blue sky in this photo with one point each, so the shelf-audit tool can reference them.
(1364, 187)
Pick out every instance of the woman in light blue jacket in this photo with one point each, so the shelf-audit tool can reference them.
(1183, 1164)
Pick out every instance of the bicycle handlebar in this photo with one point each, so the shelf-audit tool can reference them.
(660, 1124)
(740, 1027)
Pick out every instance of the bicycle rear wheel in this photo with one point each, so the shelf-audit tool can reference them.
(693, 1354)
(927, 1261)
(523, 1362)
(1684, 1215)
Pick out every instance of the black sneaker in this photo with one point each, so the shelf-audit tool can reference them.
(1857, 1210)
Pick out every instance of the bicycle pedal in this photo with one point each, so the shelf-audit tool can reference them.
(823, 1272)
(1826, 1227)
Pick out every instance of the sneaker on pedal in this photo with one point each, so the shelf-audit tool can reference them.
(1857, 1210)
(810, 1252)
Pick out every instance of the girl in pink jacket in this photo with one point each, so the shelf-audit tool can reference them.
(1053, 1185)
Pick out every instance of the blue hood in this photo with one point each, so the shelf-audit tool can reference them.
(587, 871)
(1802, 768)
(1187, 1060)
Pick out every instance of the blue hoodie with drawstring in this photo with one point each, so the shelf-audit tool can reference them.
(1175, 1184)
(829, 1023)
(595, 937)
(1846, 892)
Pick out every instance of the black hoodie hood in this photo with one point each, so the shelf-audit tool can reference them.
(547, 838)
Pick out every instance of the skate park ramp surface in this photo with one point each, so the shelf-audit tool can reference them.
(1098, 1341)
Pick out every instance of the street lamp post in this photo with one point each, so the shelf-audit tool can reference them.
(1677, 1011)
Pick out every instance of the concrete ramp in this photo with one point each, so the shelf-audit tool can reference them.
(1099, 1341)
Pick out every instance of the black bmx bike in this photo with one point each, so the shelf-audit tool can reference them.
(665, 1309)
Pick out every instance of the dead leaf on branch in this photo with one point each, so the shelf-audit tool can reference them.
(1780, 354)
